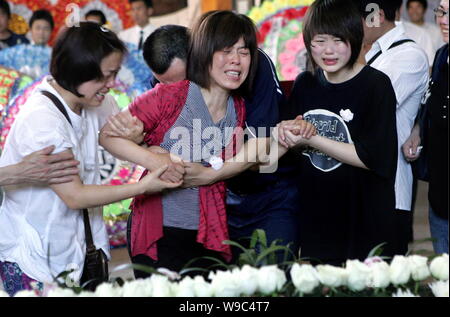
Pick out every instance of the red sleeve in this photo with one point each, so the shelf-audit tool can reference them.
(145, 108)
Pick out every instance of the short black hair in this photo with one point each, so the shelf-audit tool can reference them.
(339, 18)
(42, 15)
(163, 45)
(148, 3)
(78, 53)
(97, 13)
(424, 3)
(389, 7)
(214, 31)
(4, 6)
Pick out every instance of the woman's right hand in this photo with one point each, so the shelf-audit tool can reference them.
(151, 183)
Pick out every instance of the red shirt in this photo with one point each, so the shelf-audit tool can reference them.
(159, 109)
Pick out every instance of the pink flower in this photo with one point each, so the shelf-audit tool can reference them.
(293, 45)
(290, 72)
(286, 58)
(370, 261)
(116, 182)
(124, 173)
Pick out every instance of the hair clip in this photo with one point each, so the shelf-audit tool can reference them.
(104, 29)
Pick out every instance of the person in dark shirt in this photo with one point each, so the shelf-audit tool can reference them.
(431, 131)
(7, 37)
(346, 172)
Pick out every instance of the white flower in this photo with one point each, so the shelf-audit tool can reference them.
(184, 288)
(399, 270)
(247, 279)
(108, 290)
(173, 276)
(216, 162)
(61, 292)
(304, 278)
(358, 275)
(161, 286)
(439, 288)
(223, 284)
(3, 294)
(371, 261)
(419, 267)
(270, 279)
(346, 114)
(138, 288)
(201, 287)
(404, 293)
(380, 275)
(26, 293)
(332, 276)
(439, 267)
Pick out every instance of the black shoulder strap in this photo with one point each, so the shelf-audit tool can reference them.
(57, 103)
(87, 226)
(395, 44)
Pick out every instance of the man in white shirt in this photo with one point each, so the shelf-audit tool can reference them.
(416, 11)
(407, 66)
(422, 38)
(141, 11)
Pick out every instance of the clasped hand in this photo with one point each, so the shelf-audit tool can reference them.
(297, 132)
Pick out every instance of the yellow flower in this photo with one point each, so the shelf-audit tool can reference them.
(268, 8)
(294, 3)
(256, 14)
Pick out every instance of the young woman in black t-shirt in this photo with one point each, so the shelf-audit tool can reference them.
(347, 171)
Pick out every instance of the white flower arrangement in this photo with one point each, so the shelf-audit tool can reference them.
(439, 267)
(400, 278)
(439, 288)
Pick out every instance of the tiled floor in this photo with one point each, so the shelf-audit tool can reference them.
(421, 231)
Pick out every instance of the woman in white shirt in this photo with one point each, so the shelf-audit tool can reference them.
(41, 228)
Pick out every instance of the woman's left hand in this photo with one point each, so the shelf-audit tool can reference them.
(197, 175)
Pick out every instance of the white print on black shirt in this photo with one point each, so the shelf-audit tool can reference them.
(331, 126)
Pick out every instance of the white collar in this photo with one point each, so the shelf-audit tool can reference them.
(145, 28)
(385, 41)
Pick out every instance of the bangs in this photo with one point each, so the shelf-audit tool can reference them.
(228, 31)
(339, 18)
(330, 19)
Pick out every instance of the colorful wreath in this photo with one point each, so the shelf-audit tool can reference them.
(135, 76)
(279, 25)
(21, 11)
(116, 12)
(8, 79)
(31, 60)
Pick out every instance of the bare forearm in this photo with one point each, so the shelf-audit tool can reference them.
(127, 150)
(10, 175)
(253, 152)
(89, 196)
(343, 152)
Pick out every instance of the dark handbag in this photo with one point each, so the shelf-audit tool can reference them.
(95, 269)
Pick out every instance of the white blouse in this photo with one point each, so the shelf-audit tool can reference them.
(37, 229)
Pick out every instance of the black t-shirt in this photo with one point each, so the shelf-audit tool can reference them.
(262, 114)
(437, 136)
(346, 211)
